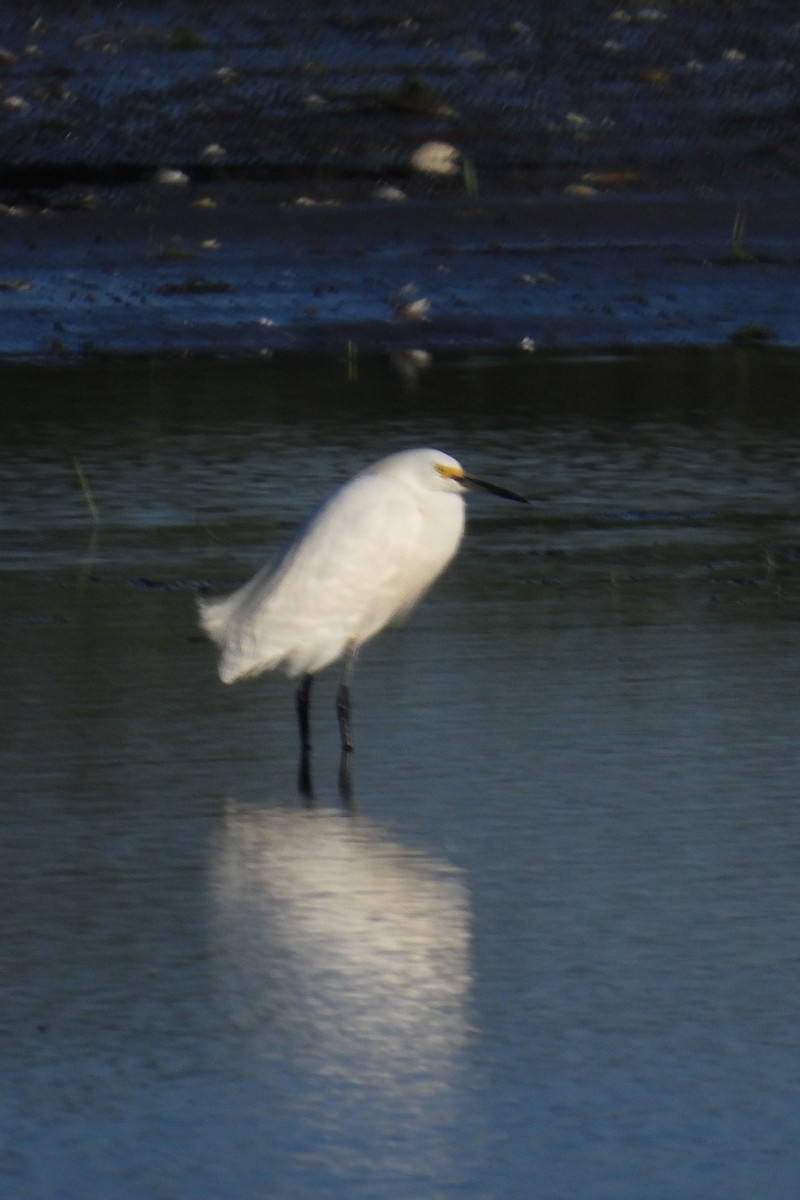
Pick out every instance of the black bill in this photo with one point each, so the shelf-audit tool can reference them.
(494, 488)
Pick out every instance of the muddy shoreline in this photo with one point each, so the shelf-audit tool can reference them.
(249, 278)
(626, 176)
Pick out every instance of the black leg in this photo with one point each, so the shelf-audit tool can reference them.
(303, 701)
(344, 713)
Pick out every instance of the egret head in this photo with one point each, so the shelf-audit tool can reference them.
(460, 480)
(433, 470)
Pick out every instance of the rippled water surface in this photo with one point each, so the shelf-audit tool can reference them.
(553, 951)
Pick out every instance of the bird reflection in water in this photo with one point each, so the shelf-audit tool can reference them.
(342, 957)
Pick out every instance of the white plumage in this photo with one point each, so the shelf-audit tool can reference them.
(362, 560)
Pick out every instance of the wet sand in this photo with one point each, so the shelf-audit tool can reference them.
(625, 176)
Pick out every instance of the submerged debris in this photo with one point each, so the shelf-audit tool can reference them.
(416, 96)
(752, 335)
(196, 286)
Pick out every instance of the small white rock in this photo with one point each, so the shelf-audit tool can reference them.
(15, 103)
(436, 158)
(414, 310)
(213, 153)
(385, 191)
(171, 177)
(409, 305)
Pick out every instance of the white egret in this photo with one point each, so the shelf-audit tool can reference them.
(363, 560)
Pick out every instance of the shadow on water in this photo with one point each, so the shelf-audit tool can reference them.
(554, 949)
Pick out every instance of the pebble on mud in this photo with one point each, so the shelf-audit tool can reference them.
(386, 192)
(436, 158)
(410, 308)
(415, 310)
(170, 177)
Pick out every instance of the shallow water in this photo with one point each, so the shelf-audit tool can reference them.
(553, 951)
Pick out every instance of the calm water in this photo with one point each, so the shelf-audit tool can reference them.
(554, 951)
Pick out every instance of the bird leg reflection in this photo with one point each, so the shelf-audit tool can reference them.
(344, 713)
(303, 702)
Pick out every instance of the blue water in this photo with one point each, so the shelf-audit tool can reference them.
(553, 950)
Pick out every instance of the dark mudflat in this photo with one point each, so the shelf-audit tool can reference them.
(631, 176)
